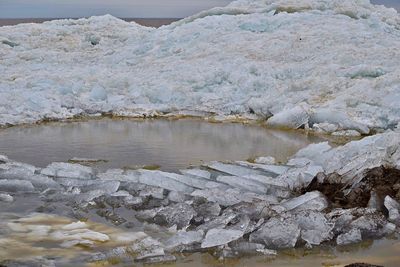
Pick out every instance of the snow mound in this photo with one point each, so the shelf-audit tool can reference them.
(335, 62)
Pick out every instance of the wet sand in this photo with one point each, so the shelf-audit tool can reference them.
(149, 22)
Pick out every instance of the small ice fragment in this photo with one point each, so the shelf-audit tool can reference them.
(265, 160)
(393, 208)
(218, 237)
(351, 237)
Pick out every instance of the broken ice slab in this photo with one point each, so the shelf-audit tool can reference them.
(108, 187)
(231, 196)
(87, 185)
(277, 233)
(272, 170)
(314, 200)
(243, 183)
(16, 186)
(164, 180)
(120, 175)
(68, 170)
(155, 192)
(88, 196)
(218, 237)
(393, 208)
(181, 239)
(351, 237)
(219, 222)
(197, 173)
(189, 180)
(233, 169)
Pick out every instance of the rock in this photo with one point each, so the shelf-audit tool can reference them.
(68, 170)
(393, 208)
(351, 237)
(277, 233)
(218, 237)
(309, 201)
(179, 214)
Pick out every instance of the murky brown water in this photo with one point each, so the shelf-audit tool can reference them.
(171, 144)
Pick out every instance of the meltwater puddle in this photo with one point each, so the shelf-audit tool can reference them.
(170, 144)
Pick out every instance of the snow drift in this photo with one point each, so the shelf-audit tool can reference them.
(328, 64)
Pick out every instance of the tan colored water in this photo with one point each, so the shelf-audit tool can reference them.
(171, 144)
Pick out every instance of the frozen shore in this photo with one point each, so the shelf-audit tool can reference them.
(322, 195)
(328, 65)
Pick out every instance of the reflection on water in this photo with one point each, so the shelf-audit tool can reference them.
(37, 235)
(172, 144)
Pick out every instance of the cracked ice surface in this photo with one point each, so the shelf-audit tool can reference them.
(299, 62)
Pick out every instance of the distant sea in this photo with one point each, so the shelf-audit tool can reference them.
(153, 22)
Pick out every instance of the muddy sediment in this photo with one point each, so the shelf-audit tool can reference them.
(377, 182)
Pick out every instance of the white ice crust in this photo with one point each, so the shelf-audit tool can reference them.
(329, 64)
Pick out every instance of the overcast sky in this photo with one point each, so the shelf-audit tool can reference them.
(119, 8)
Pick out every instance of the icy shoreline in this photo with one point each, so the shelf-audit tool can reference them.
(231, 209)
(331, 66)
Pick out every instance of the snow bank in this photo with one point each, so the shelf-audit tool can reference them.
(336, 62)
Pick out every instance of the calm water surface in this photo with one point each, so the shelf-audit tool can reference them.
(171, 144)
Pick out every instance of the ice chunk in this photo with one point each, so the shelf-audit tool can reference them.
(265, 160)
(160, 179)
(6, 198)
(290, 118)
(232, 169)
(155, 192)
(16, 186)
(179, 214)
(393, 208)
(218, 237)
(315, 227)
(272, 170)
(79, 234)
(351, 237)
(74, 226)
(197, 172)
(183, 238)
(246, 248)
(246, 184)
(120, 175)
(219, 222)
(309, 201)
(68, 170)
(277, 233)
